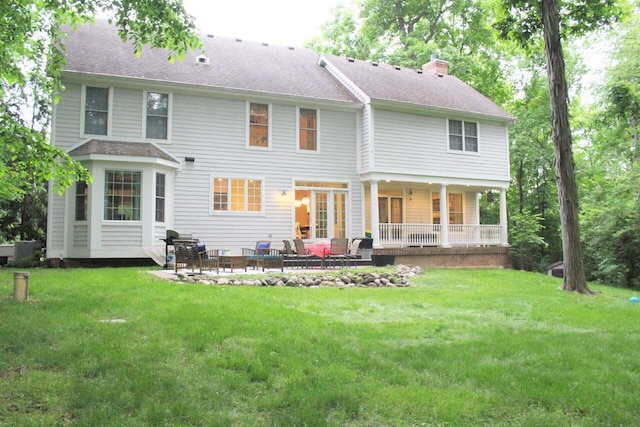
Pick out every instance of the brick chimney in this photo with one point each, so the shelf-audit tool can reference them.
(436, 66)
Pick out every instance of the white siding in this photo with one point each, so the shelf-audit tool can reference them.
(470, 211)
(410, 143)
(127, 113)
(121, 235)
(80, 236)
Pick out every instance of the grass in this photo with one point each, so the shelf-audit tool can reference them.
(458, 348)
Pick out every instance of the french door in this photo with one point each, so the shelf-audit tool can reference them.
(329, 214)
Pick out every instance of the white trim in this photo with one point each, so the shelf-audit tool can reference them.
(246, 178)
(248, 145)
(298, 149)
(83, 102)
(463, 151)
(169, 116)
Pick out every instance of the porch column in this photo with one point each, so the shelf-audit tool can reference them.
(504, 231)
(444, 217)
(375, 215)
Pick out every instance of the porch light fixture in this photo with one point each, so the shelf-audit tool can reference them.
(284, 196)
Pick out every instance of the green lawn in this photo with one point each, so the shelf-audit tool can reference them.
(457, 348)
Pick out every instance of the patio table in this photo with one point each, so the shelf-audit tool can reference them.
(233, 261)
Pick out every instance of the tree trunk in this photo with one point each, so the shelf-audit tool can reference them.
(574, 278)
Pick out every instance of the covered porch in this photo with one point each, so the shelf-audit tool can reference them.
(401, 214)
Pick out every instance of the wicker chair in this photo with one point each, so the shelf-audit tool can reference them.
(253, 255)
(189, 254)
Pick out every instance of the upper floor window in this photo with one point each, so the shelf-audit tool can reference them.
(122, 195)
(157, 115)
(308, 129)
(237, 195)
(463, 136)
(82, 193)
(96, 110)
(160, 196)
(258, 125)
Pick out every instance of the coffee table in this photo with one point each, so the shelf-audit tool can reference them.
(233, 261)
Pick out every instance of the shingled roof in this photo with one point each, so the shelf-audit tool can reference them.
(406, 85)
(120, 148)
(271, 69)
(232, 64)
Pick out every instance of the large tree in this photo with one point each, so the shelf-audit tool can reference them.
(31, 63)
(523, 21)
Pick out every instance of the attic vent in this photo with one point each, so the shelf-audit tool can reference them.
(351, 60)
(202, 60)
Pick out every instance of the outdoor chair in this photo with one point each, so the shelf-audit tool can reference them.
(270, 258)
(337, 251)
(352, 255)
(190, 253)
(301, 253)
(288, 254)
(254, 254)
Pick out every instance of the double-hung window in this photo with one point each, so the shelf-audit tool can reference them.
(157, 115)
(463, 136)
(96, 110)
(160, 196)
(122, 190)
(258, 125)
(237, 195)
(308, 129)
(82, 194)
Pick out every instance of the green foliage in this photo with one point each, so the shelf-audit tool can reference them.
(458, 347)
(526, 241)
(31, 63)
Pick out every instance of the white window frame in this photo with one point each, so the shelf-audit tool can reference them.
(228, 211)
(433, 211)
(464, 142)
(140, 196)
(269, 124)
(301, 150)
(169, 115)
(83, 102)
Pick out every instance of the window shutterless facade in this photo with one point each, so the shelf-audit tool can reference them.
(157, 116)
(160, 196)
(96, 110)
(122, 191)
(259, 125)
(237, 195)
(82, 196)
(463, 136)
(307, 129)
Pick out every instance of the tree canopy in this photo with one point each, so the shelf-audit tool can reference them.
(31, 63)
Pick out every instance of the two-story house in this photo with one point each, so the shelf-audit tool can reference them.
(248, 141)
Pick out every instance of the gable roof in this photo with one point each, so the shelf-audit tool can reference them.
(232, 64)
(410, 86)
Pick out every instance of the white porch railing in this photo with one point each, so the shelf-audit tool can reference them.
(429, 235)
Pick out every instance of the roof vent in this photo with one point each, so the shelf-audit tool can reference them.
(397, 68)
(439, 74)
(238, 40)
(351, 59)
(210, 36)
(202, 60)
(375, 64)
(265, 44)
(291, 48)
(419, 71)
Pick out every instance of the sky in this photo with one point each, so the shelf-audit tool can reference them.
(281, 22)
